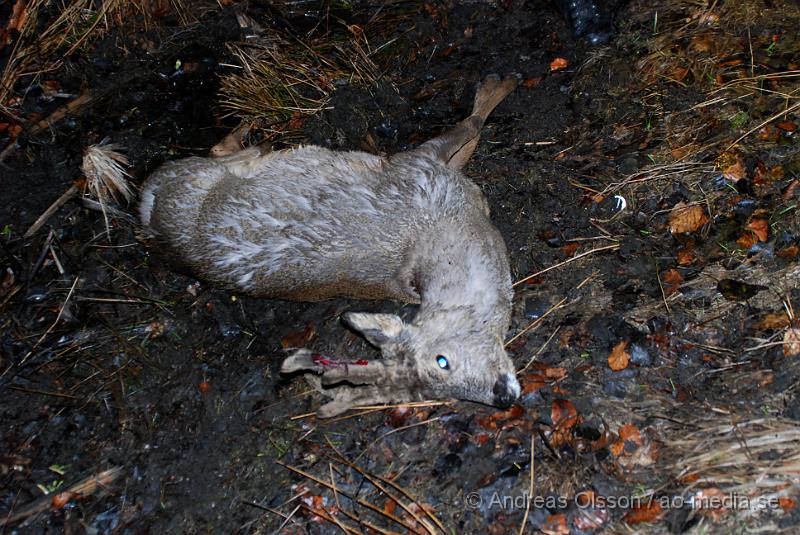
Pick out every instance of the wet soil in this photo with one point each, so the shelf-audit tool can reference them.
(109, 359)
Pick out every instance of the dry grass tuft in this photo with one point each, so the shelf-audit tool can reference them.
(732, 53)
(279, 83)
(284, 76)
(104, 170)
(734, 470)
(47, 34)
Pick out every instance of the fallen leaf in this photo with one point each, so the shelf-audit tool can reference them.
(619, 357)
(61, 499)
(555, 373)
(555, 525)
(562, 410)
(531, 82)
(788, 193)
(630, 432)
(690, 478)
(788, 253)
(646, 512)
(791, 342)
(491, 421)
(685, 218)
(788, 126)
(482, 438)
(765, 175)
(679, 73)
(747, 240)
(299, 338)
(773, 321)
(702, 43)
(630, 436)
(19, 14)
(732, 166)
(686, 256)
(564, 416)
(569, 249)
(729, 63)
(558, 64)
(734, 290)
(532, 382)
(711, 503)
(759, 227)
(671, 280)
(591, 519)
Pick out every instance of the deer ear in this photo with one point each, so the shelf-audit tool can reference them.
(378, 329)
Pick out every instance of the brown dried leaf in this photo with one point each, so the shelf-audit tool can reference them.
(591, 519)
(531, 82)
(686, 218)
(791, 342)
(562, 411)
(564, 416)
(558, 64)
(788, 253)
(299, 338)
(630, 436)
(19, 14)
(711, 503)
(702, 42)
(646, 512)
(732, 166)
(619, 357)
(747, 240)
(773, 321)
(555, 525)
(555, 373)
(671, 280)
(491, 421)
(569, 249)
(790, 190)
(759, 227)
(686, 256)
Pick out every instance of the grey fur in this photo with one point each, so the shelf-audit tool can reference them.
(310, 224)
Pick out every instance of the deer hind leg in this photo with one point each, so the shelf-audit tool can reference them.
(456, 146)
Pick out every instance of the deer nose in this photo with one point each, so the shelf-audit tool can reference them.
(506, 391)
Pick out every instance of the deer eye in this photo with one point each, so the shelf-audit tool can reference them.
(441, 361)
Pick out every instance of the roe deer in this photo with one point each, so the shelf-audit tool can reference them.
(309, 223)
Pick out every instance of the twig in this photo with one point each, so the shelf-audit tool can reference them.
(359, 501)
(529, 497)
(49, 329)
(539, 352)
(762, 123)
(398, 429)
(84, 488)
(42, 219)
(574, 258)
(372, 479)
(535, 323)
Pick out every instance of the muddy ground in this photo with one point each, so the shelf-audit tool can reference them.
(658, 356)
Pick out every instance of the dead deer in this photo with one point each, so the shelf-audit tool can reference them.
(309, 223)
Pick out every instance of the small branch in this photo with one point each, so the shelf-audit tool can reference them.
(565, 262)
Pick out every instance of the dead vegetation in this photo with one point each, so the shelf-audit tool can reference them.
(702, 421)
(281, 77)
(47, 34)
